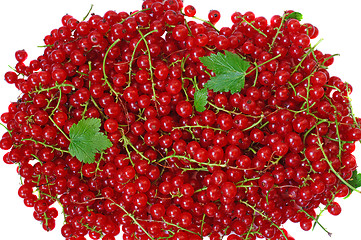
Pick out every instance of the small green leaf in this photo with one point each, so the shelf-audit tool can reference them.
(230, 82)
(355, 180)
(230, 70)
(200, 99)
(86, 140)
(294, 15)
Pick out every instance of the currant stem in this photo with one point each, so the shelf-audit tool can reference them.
(193, 161)
(305, 55)
(104, 63)
(46, 145)
(250, 24)
(91, 7)
(97, 107)
(204, 215)
(250, 228)
(325, 208)
(199, 126)
(60, 130)
(57, 86)
(224, 110)
(277, 33)
(57, 105)
(256, 66)
(264, 216)
(181, 228)
(316, 221)
(133, 55)
(150, 60)
(133, 218)
(6, 128)
(208, 22)
(133, 14)
(255, 124)
(127, 143)
(94, 229)
(333, 170)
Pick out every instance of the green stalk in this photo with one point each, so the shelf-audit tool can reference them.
(316, 220)
(57, 86)
(254, 124)
(133, 218)
(333, 170)
(193, 161)
(208, 22)
(264, 216)
(150, 60)
(198, 126)
(133, 14)
(177, 226)
(133, 54)
(277, 33)
(85, 17)
(60, 130)
(6, 128)
(305, 56)
(250, 24)
(46, 145)
(104, 73)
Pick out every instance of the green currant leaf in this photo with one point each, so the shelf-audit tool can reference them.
(355, 180)
(86, 140)
(230, 70)
(200, 99)
(294, 15)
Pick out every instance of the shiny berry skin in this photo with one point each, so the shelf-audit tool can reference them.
(214, 16)
(189, 11)
(184, 109)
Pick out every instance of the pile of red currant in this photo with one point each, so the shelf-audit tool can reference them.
(240, 164)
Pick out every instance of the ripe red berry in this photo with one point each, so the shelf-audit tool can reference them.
(189, 11)
(21, 55)
(214, 16)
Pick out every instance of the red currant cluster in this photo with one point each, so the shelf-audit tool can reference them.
(252, 160)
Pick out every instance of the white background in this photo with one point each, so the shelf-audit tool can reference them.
(23, 25)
